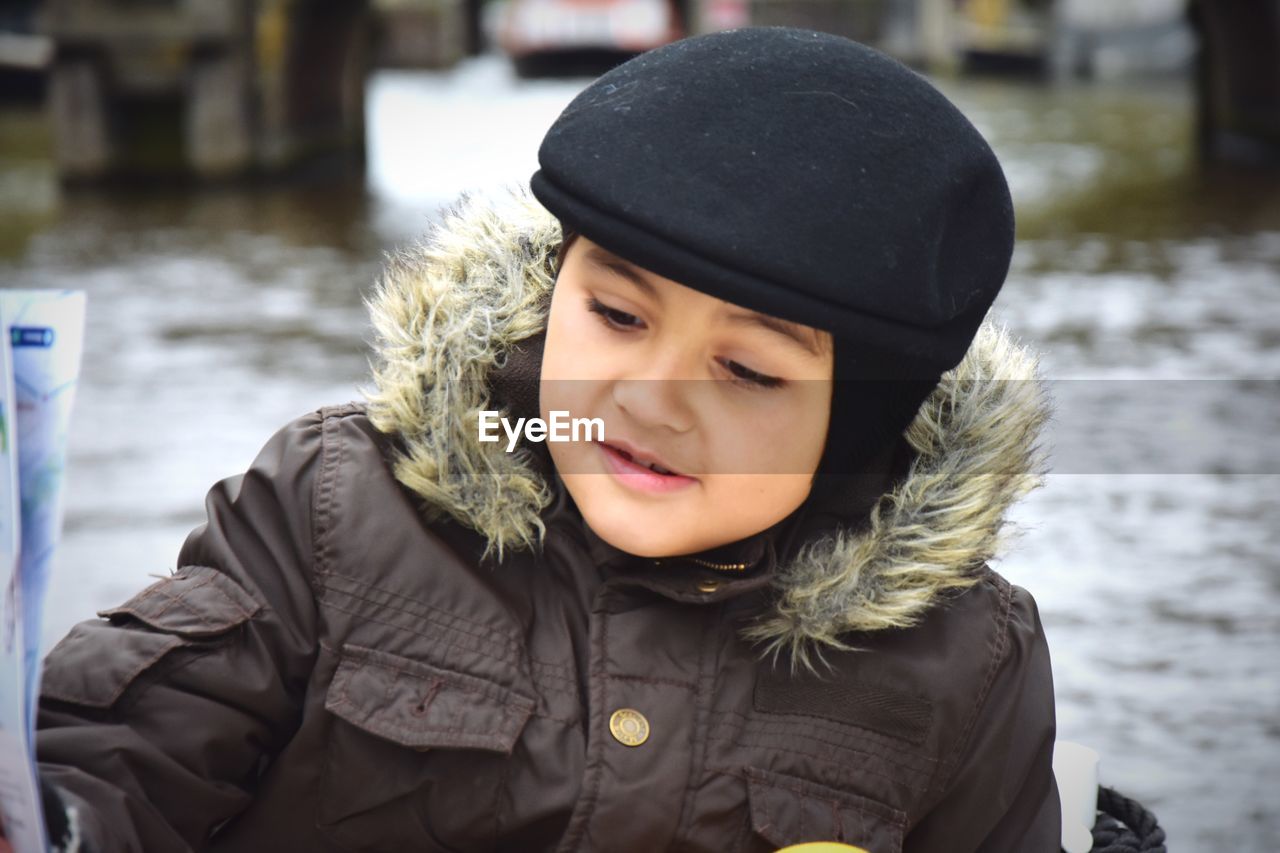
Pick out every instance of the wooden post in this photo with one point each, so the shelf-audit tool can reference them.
(937, 30)
(219, 130)
(78, 107)
(1238, 81)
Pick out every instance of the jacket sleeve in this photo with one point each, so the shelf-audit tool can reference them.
(156, 720)
(1002, 797)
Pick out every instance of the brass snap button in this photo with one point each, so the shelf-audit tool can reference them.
(708, 586)
(629, 727)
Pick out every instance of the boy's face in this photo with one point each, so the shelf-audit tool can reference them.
(743, 438)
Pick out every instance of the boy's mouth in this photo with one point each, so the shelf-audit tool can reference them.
(640, 457)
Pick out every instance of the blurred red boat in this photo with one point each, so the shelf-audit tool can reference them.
(559, 37)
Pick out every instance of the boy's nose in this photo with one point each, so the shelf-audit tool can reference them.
(656, 402)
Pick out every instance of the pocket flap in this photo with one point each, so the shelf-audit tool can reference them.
(422, 706)
(789, 810)
(195, 602)
(79, 668)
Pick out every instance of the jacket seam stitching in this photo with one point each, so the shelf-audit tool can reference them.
(443, 640)
(776, 740)
(595, 740)
(701, 721)
(161, 591)
(323, 786)
(441, 634)
(451, 621)
(840, 738)
(896, 779)
(644, 679)
(809, 788)
(321, 498)
(999, 648)
(862, 742)
(489, 689)
(495, 808)
(322, 506)
(447, 621)
(510, 642)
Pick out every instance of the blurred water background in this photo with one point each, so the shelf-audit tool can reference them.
(218, 314)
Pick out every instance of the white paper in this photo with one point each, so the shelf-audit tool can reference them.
(39, 370)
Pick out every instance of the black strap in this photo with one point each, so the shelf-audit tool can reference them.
(1124, 826)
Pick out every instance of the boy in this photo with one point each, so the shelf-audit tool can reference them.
(753, 613)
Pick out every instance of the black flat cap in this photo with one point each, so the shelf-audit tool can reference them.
(796, 173)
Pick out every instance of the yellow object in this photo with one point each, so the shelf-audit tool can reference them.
(629, 727)
(822, 847)
(989, 13)
(272, 34)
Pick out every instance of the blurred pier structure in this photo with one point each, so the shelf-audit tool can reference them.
(425, 33)
(861, 20)
(24, 54)
(1238, 81)
(1231, 46)
(229, 88)
(1058, 39)
(206, 88)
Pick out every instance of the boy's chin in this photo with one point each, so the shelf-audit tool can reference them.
(635, 535)
(645, 531)
(680, 523)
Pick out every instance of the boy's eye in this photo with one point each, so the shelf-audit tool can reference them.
(621, 320)
(612, 317)
(751, 377)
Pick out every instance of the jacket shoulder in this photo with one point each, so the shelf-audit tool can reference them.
(998, 624)
(994, 776)
(348, 438)
(971, 650)
(340, 411)
(349, 427)
(346, 419)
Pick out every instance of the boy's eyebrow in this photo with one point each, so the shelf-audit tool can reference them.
(793, 331)
(627, 270)
(783, 327)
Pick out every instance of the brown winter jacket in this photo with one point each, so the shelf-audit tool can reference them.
(366, 647)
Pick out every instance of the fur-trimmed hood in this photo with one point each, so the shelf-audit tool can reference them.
(447, 312)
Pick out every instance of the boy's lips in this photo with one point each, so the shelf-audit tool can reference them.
(640, 456)
(640, 477)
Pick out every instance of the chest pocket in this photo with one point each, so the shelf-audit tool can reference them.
(416, 753)
(789, 810)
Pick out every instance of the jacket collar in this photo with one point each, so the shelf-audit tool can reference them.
(677, 578)
(452, 316)
(725, 572)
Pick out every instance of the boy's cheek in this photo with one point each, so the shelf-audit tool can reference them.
(581, 398)
(576, 458)
(748, 503)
